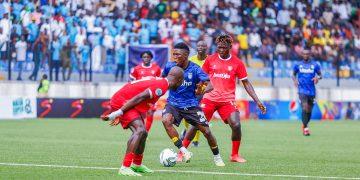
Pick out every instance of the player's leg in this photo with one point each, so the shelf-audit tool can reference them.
(229, 113)
(171, 116)
(139, 151)
(205, 130)
(234, 122)
(195, 116)
(307, 103)
(133, 149)
(149, 119)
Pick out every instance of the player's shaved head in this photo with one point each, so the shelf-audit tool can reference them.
(175, 77)
(201, 47)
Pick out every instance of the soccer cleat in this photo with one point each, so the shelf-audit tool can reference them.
(306, 132)
(218, 161)
(126, 171)
(237, 158)
(141, 169)
(187, 156)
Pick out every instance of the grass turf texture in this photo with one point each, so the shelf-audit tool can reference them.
(271, 147)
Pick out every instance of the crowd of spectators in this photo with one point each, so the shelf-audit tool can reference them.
(65, 34)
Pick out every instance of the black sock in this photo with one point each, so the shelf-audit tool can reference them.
(178, 143)
(304, 118)
(308, 116)
(215, 150)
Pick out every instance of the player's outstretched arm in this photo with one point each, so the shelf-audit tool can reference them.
(250, 90)
(128, 105)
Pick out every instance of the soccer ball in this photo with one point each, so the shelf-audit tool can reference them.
(168, 157)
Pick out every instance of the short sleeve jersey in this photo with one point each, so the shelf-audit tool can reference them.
(306, 71)
(223, 74)
(141, 71)
(155, 85)
(184, 96)
(196, 60)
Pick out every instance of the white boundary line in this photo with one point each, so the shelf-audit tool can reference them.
(179, 171)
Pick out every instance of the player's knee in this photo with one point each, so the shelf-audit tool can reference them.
(166, 121)
(236, 126)
(141, 132)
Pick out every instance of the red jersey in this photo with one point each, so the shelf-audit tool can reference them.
(141, 71)
(155, 85)
(223, 74)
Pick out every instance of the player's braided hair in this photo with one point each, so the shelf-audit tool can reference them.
(224, 38)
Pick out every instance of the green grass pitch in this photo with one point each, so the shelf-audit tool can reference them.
(274, 150)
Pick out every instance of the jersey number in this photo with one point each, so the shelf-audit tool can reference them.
(202, 116)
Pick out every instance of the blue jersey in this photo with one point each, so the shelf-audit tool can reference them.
(305, 72)
(184, 96)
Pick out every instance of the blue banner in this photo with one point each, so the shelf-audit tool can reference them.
(160, 52)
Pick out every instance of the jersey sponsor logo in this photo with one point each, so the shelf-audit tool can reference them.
(221, 75)
(306, 70)
(158, 92)
(186, 83)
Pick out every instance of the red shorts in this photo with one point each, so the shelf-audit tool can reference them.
(129, 116)
(223, 108)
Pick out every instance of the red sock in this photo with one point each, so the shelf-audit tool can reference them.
(138, 159)
(186, 143)
(235, 147)
(149, 121)
(128, 159)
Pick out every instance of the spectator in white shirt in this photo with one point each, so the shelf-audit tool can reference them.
(20, 47)
(281, 50)
(254, 41)
(283, 17)
(5, 24)
(3, 40)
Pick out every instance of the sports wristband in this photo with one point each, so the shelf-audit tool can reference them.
(115, 114)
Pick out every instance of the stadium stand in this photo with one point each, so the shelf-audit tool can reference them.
(263, 32)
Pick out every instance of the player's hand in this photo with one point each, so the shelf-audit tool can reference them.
(200, 88)
(261, 107)
(104, 117)
(115, 122)
(315, 79)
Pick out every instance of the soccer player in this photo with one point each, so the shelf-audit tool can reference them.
(182, 103)
(306, 74)
(129, 106)
(223, 68)
(146, 69)
(198, 59)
